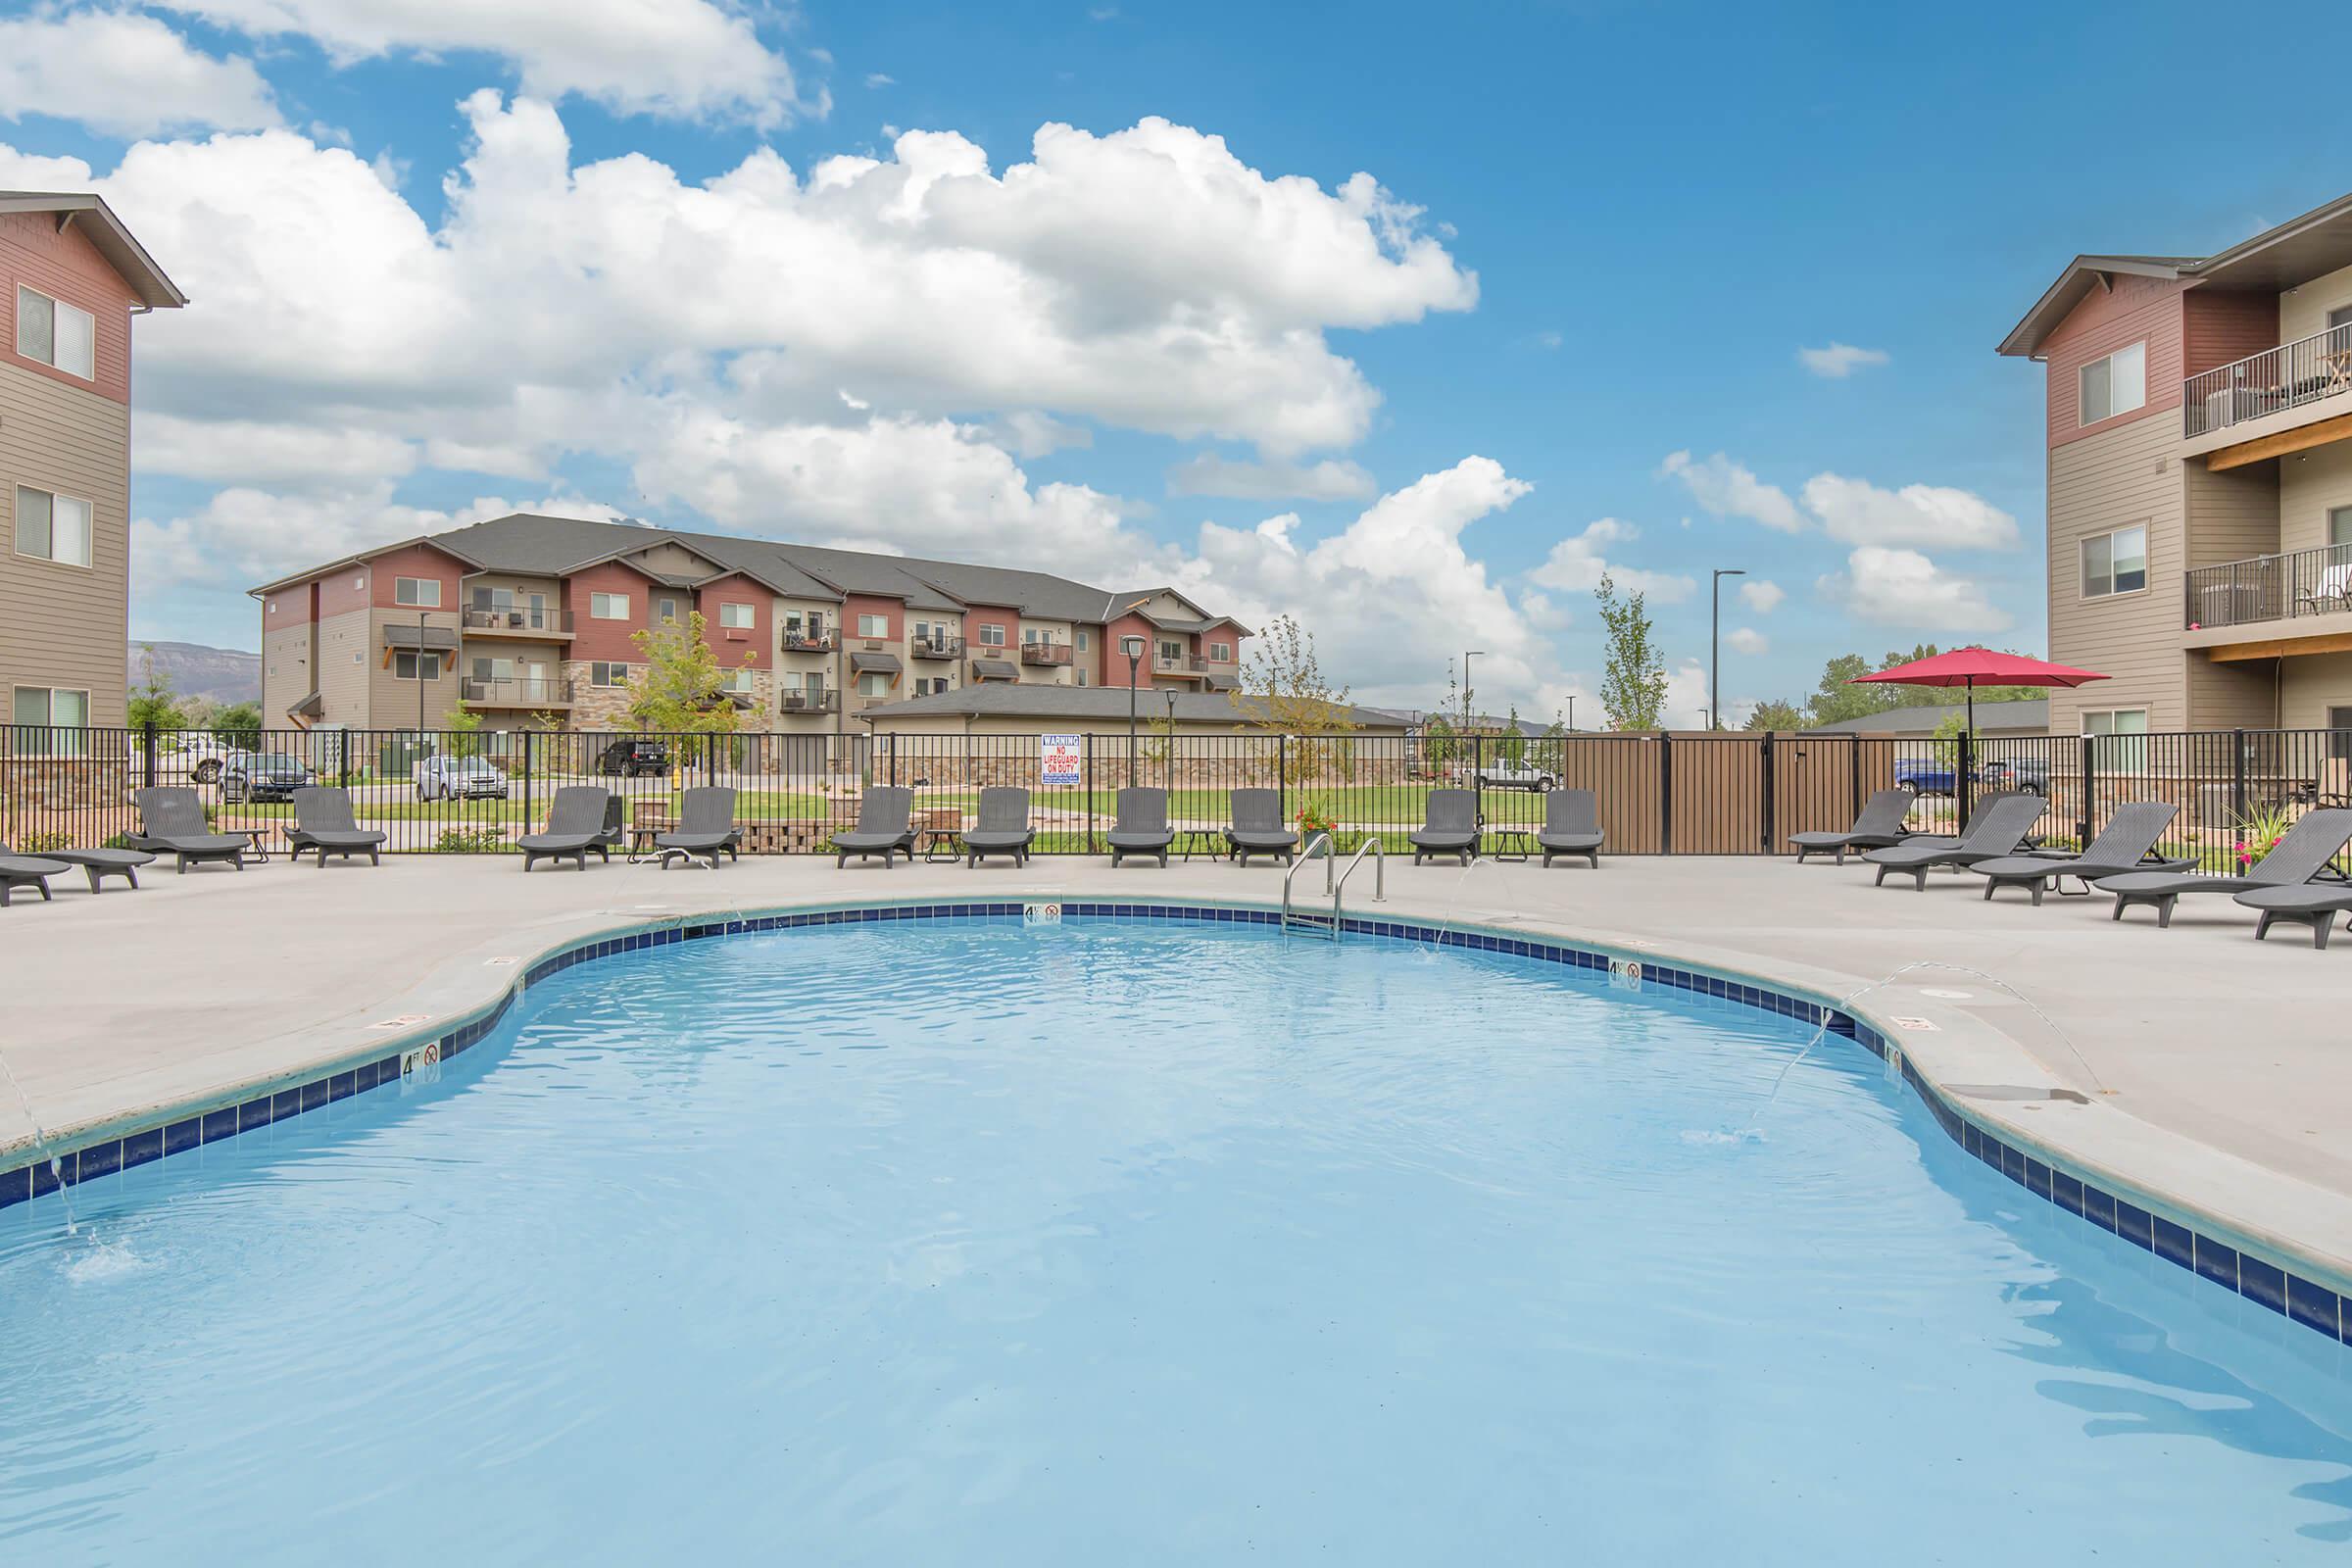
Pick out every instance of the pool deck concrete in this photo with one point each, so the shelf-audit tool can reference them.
(2212, 1070)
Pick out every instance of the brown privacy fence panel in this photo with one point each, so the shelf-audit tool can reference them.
(1659, 794)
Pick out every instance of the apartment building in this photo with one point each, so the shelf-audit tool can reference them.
(532, 622)
(72, 278)
(2199, 440)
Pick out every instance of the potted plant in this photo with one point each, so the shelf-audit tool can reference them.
(1314, 820)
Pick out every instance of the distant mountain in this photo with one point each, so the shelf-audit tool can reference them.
(221, 673)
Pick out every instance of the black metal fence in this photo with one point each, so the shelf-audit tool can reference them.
(1659, 794)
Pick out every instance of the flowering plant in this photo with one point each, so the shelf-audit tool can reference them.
(2258, 834)
(1314, 819)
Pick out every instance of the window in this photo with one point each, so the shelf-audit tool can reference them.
(608, 606)
(2339, 734)
(40, 712)
(930, 686)
(873, 626)
(737, 680)
(423, 592)
(1220, 652)
(417, 667)
(991, 635)
(666, 609)
(2119, 754)
(2340, 527)
(2115, 563)
(2116, 384)
(55, 334)
(1081, 674)
(1082, 642)
(874, 683)
(1170, 652)
(53, 527)
(2340, 317)
(738, 617)
(602, 673)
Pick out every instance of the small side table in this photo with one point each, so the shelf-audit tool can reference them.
(942, 844)
(1512, 844)
(1204, 840)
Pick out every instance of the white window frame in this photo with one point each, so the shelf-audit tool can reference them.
(873, 627)
(596, 602)
(608, 673)
(1220, 652)
(991, 635)
(665, 609)
(2118, 759)
(57, 500)
(874, 683)
(60, 315)
(415, 660)
(738, 682)
(2083, 587)
(2134, 356)
(410, 591)
(56, 745)
(737, 616)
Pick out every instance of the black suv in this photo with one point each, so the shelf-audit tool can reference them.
(634, 760)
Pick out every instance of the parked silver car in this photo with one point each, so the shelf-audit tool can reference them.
(459, 778)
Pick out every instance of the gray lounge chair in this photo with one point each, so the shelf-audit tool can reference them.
(1878, 826)
(885, 827)
(706, 827)
(1571, 826)
(325, 826)
(1450, 827)
(2314, 904)
(2125, 844)
(1003, 826)
(28, 871)
(96, 863)
(1998, 829)
(1258, 829)
(2293, 863)
(575, 821)
(1141, 827)
(172, 823)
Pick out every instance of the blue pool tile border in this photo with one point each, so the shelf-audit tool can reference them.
(2265, 1283)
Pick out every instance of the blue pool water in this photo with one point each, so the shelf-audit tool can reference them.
(964, 1242)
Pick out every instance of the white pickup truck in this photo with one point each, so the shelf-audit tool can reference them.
(1520, 776)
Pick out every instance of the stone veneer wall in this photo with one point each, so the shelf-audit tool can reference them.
(607, 707)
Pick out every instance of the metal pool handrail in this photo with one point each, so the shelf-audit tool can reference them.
(1306, 855)
(1335, 883)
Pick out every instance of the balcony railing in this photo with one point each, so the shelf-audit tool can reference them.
(2306, 371)
(936, 647)
(2240, 593)
(1181, 665)
(525, 619)
(522, 693)
(825, 701)
(1036, 652)
(800, 640)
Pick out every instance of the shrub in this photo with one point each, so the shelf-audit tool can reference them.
(36, 843)
(473, 841)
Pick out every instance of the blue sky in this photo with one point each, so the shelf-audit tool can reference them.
(1661, 206)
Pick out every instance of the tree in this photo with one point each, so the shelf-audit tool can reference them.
(1776, 716)
(1633, 687)
(1436, 743)
(679, 688)
(1283, 692)
(239, 725)
(1514, 741)
(1550, 749)
(465, 730)
(153, 701)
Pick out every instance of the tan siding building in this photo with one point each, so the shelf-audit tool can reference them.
(2199, 436)
(71, 279)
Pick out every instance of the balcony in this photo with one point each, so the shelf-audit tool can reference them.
(1182, 665)
(2247, 393)
(922, 646)
(803, 702)
(810, 640)
(522, 693)
(1051, 654)
(533, 622)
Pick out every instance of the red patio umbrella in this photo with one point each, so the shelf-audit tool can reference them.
(1965, 666)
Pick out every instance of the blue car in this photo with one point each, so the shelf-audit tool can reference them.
(1925, 775)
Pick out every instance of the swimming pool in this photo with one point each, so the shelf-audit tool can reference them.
(966, 1241)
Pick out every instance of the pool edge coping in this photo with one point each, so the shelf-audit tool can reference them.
(468, 994)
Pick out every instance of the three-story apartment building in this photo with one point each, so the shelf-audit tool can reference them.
(72, 278)
(534, 621)
(2199, 439)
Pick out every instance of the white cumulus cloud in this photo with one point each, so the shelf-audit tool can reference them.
(1762, 595)
(1747, 640)
(1905, 588)
(1839, 360)
(679, 58)
(1859, 513)
(1210, 475)
(1728, 489)
(1576, 563)
(124, 74)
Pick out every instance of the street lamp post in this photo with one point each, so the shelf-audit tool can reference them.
(1715, 644)
(1571, 713)
(1133, 647)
